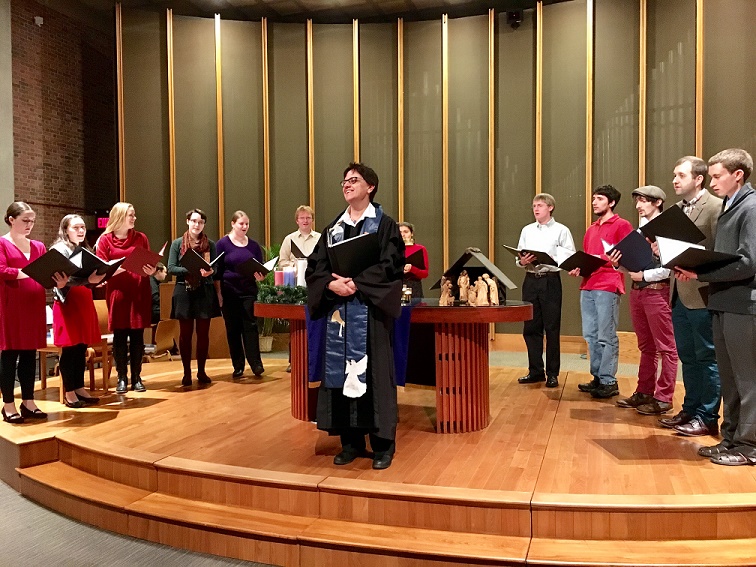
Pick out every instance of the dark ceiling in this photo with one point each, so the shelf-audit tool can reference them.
(328, 11)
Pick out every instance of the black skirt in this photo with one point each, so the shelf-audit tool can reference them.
(199, 303)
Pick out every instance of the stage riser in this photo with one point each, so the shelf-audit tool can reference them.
(82, 510)
(216, 543)
(348, 558)
(644, 526)
(13, 456)
(122, 470)
(229, 492)
(426, 515)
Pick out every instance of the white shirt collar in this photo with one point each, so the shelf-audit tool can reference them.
(368, 213)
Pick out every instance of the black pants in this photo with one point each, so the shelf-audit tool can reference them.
(354, 440)
(73, 363)
(241, 331)
(128, 344)
(21, 362)
(186, 330)
(545, 293)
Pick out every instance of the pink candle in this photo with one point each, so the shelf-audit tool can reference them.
(278, 277)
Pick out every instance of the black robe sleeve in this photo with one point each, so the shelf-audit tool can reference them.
(380, 285)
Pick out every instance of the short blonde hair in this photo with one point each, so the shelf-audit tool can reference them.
(546, 198)
(117, 217)
(304, 209)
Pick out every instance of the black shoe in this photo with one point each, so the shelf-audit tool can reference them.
(605, 391)
(238, 374)
(138, 386)
(347, 456)
(78, 404)
(680, 418)
(382, 462)
(88, 400)
(186, 381)
(552, 381)
(588, 387)
(530, 379)
(288, 368)
(14, 418)
(122, 387)
(258, 370)
(26, 413)
(203, 378)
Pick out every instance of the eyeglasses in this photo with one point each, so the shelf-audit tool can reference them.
(351, 181)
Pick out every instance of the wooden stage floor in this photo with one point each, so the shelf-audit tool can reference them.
(557, 478)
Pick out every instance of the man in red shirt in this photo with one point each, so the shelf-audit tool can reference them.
(600, 295)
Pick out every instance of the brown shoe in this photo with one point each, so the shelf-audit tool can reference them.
(654, 407)
(678, 419)
(637, 399)
(696, 427)
(714, 450)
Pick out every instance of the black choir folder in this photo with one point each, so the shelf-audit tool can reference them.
(673, 223)
(89, 264)
(141, 257)
(416, 259)
(296, 251)
(193, 262)
(248, 268)
(43, 268)
(676, 253)
(541, 257)
(636, 252)
(586, 262)
(351, 257)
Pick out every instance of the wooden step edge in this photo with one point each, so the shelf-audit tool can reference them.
(709, 553)
(79, 442)
(77, 483)
(425, 493)
(416, 541)
(236, 473)
(219, 517)
(21, 437)
(643, 502)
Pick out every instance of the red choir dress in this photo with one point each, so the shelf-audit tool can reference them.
(128, 295)
(23, 324)
(75, 320)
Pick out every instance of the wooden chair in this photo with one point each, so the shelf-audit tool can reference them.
(166, 338)
(100, 353)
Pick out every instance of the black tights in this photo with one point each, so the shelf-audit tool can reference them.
(186, 330)
(128, 342)
(73, 363)
(23, 363)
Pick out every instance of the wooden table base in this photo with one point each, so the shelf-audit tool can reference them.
(461, 377)
(303, 398)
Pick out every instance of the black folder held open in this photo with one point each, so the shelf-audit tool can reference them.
(541, 257)
(586, 262)
(673, 223)
(89, 263)
(43, 268)
(416, 259)
(195, 263)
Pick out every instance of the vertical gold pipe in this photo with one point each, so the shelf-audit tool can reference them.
(699, 75)
(266, 130)
(491, 136)
(400, 116)
(219, 128)
(445, 136)
(356, 86)
(642, 91)
(310, 118)
(539, 99)
(119, 95)
(589, 111)
(171, 123)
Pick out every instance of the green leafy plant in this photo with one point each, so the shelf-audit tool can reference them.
(267, 292)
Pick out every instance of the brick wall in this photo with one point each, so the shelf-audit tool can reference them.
(63, 115)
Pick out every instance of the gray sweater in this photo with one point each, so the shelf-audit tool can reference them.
(733, 287)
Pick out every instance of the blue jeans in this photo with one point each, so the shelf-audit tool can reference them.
(600, 313)
(695, 346)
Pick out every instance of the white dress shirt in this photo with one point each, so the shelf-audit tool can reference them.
(547, 238)
(305, 242)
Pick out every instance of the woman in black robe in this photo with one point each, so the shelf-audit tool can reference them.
(379, 287)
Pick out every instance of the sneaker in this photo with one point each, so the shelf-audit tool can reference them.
(654, 407)
(588, 387)
(637, 399)
(605, 391)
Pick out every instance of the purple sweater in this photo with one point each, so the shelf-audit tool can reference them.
(233, 282)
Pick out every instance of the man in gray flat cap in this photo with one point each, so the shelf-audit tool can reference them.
(652, 320)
